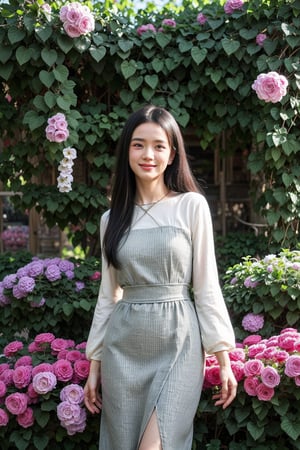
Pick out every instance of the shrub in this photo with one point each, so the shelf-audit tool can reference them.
(268, 288)
(51, 293)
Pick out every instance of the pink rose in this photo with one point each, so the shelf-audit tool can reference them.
(16, 403)
(250, 385)
(24, 361)
(44, 382)
(144, 28)
(237, 354)
(3, 366)
(232, 5)
(82, 369)
(281, 356)
(72, 393)
(253, 367)
(12, 348)
(260, 39)
(169, 23)
(3, 418)
(26, 419)
(77, 19)
(270, 87)
(32, 394)
(63, 370)
(68, 413)
(96, 276)
(255, 349)
(22, 376)
(238, 370)
(44, 338)
(7, 376)
(59, 344)
(264, 392)
(201, 18)
(270, 377)
(3, 388)
(292, 366)
(74, 355)
(43, 367)
(212, 375)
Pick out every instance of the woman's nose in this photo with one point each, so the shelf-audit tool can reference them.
(148, 152)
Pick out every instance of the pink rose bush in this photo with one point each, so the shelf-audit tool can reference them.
(232, 5)
(77, 19)
(57, 128)
(40, 373)
(270, 87)
(259, 367)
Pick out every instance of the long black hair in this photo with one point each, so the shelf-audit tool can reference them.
(177, 176)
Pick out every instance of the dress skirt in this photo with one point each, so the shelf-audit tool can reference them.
(152, 361)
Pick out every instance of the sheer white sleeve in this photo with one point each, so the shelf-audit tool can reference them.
(109, 294)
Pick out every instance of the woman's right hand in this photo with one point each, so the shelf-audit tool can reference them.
(92, 398)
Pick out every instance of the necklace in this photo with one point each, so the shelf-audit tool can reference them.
(146, 210)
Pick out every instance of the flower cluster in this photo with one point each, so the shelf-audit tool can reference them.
(232, 5)
(46, 368)
(57, 128)
(77, 19)
(15, 237)
(65, 177)
(253, 322)
(270, 87)
(261, 365)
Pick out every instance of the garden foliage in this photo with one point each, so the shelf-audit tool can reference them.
(228, 72)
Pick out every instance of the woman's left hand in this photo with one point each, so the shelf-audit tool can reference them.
(229, 384)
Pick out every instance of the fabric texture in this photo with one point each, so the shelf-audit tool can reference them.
(147, 331)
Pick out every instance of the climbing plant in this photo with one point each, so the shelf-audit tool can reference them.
(79, 69)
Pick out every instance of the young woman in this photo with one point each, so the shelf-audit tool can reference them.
(148, 338)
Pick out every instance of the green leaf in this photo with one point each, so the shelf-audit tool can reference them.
(135, 82)
(215, 23)
(6, 70)
(97, 53)
(234, 82)
(128, 68)
(39, 103)
(61, 73)
(91, 227)
(63, 102)
(287, 179)
(216, 75)
(47, 78)
(292, 429)
(276, 153)
(157, 64)
(67, 309)
(290, 146)
(126, 96)
(230, 45)
(41, 442)
(65, 43)
(84, 304)
(125, 45)
(91, 138)
(33, 120)
(42, 419)
(255, 431)
(15, 34)
(49, 56)
(43, 32)
(152, 80)
(198, 54)
(185, 46)
(50, 99)
(280, 197)
(52, 205)
(273, 217)
(163, 39)
(23, 55)
(5, 53)
(248, 34)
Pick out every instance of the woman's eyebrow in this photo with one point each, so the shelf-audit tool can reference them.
(154, 140)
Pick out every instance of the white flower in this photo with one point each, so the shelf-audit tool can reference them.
(70, 153)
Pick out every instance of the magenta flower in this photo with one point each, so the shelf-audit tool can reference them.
(4, 419)
(264, 393)
(232, 5)
(43, 367)
(16, 403)
(96, 276)
(22, 376)
(26, 419)
(3, 389)
(252, 339)
(44, 382)
(81, 368)
(250, 385)
(270, 87)
(144, 28)
(169, 23)
(212, 375)
(25, 360)
(63, 370)
(44, 338)
(201, 18)
(260, 39)
(253, 367)
(292, 366)
(253, 322)
(12, 348)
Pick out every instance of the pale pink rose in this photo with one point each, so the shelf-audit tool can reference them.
(212, 375)
(16, 403)
(253, 367)
(238, 370)
(169, 23)
(264, 393)
(71, 30)
(79, 426)
(250, 385)
(26, 419)
(68, 413)
(12, 348)
(292, 366)
(3, 388)
(270, 87)
(61, 135)
(86, 24)
(43, 367)
(260, 39)
(232, 5)
(270, 377)
(44, 382)
(72, 393)
(22, 376)
(82, 368)
(252, 339)
(63, 370)
(201, 18)
(4, 419)
(144, 28)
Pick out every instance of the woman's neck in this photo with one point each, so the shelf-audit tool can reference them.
(146, 196)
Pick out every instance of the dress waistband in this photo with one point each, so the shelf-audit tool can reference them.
(152, 293)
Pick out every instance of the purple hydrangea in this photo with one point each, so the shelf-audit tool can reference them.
(79, 286)
(35, 268)
(65, 265)
(253, 322)
(249, 283)
(9, 280)
(53, 273)
(26, 284)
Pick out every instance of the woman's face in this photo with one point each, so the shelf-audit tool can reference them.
(149, 152)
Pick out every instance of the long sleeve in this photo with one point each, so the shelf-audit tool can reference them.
(109, 294)
(215, 325)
